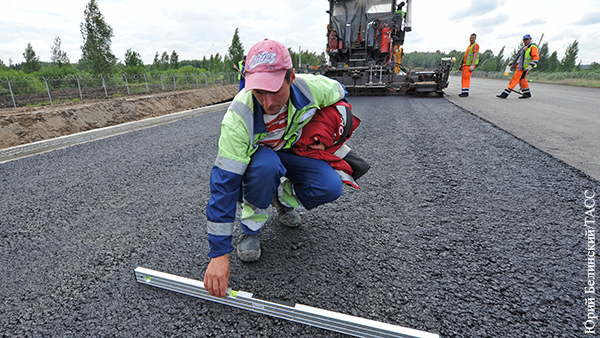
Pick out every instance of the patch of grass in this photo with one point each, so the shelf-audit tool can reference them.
(68, 101)
(45, 103)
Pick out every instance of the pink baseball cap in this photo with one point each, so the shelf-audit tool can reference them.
(266, 64)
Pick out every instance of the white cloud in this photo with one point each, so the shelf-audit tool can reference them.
(535, 22)
(477, 8)
(198, 28)
(488, 24)
(590, 18)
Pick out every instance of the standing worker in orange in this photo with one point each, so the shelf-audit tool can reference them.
(526, 60)
(470, 61)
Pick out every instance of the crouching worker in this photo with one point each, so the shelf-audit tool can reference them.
(255, 165)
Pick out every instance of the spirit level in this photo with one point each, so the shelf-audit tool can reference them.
(329, 320)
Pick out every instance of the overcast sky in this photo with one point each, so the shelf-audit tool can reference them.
(198, 28)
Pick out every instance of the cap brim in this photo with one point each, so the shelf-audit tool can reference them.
(268, 81)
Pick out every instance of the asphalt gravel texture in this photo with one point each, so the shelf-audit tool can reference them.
(459, 229)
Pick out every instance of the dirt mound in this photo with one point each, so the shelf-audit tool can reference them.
(30, 124)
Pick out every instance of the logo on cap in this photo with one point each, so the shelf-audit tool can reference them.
(261, 59)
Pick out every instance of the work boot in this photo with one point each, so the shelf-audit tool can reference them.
(503, 95)
(286, 216)
(463, 94)
(248, 249)
(525, 96)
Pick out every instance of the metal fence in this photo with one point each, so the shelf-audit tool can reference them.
(26, 91)
(584, 79)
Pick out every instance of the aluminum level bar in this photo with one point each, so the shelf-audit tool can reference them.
(329, 320)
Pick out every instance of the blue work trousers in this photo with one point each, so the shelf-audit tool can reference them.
(315, 182)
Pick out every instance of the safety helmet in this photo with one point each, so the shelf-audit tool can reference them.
(526, 36)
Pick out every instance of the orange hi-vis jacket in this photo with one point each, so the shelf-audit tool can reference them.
(471, 51)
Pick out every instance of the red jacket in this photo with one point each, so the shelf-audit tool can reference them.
(330, 127)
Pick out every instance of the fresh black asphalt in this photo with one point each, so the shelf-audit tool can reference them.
(460, 229)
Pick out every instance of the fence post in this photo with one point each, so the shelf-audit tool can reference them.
(126, 84)
(79, 87)
(11, 92)
(47, 88)
(161, 83)
(205, 80)
(104, 85)
(146, 79)
(197, 81)
(174, 82)
(214, 81)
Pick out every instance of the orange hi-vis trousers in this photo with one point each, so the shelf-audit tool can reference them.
(516, 79)
(466, 78)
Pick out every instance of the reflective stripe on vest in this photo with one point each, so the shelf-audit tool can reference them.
(246, 113)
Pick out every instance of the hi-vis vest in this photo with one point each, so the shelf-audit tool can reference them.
(470, 54)
(529, 58)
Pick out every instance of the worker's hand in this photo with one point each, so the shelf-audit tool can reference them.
(471, 68)
(460, 68)
(216, 276)
(530, 67)
(317, 145)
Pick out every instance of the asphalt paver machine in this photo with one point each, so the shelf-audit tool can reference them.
(364, 46)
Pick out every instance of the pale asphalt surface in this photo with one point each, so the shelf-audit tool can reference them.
(460, 228)
(563, 121)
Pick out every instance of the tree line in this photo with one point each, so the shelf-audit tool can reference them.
(490, 62)
(98, 58)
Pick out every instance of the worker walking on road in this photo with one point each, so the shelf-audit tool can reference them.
(255, 165)
(526, 60)
(470, 61)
